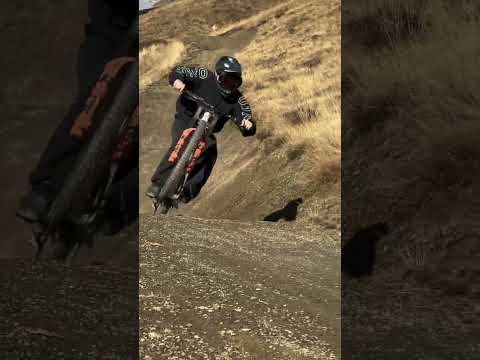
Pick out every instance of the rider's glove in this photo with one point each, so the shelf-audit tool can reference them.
(247, 124)
(179, 85)
(248, 128)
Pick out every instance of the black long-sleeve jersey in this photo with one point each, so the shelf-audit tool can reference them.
(202, 82)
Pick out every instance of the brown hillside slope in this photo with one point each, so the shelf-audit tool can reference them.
(410, 152)
(186, 20)
(291, 57)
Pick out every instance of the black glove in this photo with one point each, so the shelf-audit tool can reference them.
(249, 132)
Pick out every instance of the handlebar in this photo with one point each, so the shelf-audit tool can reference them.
(198, 99)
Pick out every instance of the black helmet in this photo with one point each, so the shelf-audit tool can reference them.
(229, 74)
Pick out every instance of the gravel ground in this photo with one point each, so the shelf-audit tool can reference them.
(86, 311)
(213, 289)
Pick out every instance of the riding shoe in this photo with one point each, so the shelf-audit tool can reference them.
(35, 204)
(153, 191)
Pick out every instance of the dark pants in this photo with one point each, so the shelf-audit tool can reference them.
(122, 205)
(203, 167)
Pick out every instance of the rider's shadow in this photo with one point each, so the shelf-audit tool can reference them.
(358, 255)
(288, 213)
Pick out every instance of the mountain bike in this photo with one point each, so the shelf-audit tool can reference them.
(186, 152)
(108, 128)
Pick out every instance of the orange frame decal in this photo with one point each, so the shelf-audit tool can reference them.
(85, 119)
(174, 155)
(196, 155)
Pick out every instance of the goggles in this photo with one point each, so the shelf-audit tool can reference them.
(229, 81)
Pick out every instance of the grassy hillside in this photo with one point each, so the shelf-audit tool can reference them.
(416, 127)
(293, 77)
(290, 53)
(410, 121)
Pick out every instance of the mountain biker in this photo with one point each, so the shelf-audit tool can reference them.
(220, 89)
(109, 21)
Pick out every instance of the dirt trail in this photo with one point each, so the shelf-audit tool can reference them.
(57, 313)
(223, 289)
(87, 311)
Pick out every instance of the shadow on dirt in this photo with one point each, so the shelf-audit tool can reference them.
(359, 253)
(288, 213)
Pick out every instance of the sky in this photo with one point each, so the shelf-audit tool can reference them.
(145, 4)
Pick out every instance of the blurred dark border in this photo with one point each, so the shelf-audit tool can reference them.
(88, 311)
(410, 169)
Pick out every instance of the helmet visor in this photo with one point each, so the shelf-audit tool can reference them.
(229, 81)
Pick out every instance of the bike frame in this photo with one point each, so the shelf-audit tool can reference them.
(205, 118)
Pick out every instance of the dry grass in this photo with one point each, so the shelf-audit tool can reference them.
(156, 60)
(414, 85)
(417, 256)
(386, 22)
(293, 76)
(413, 130)
(307, 118)
(324, 212)
(411, 93)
